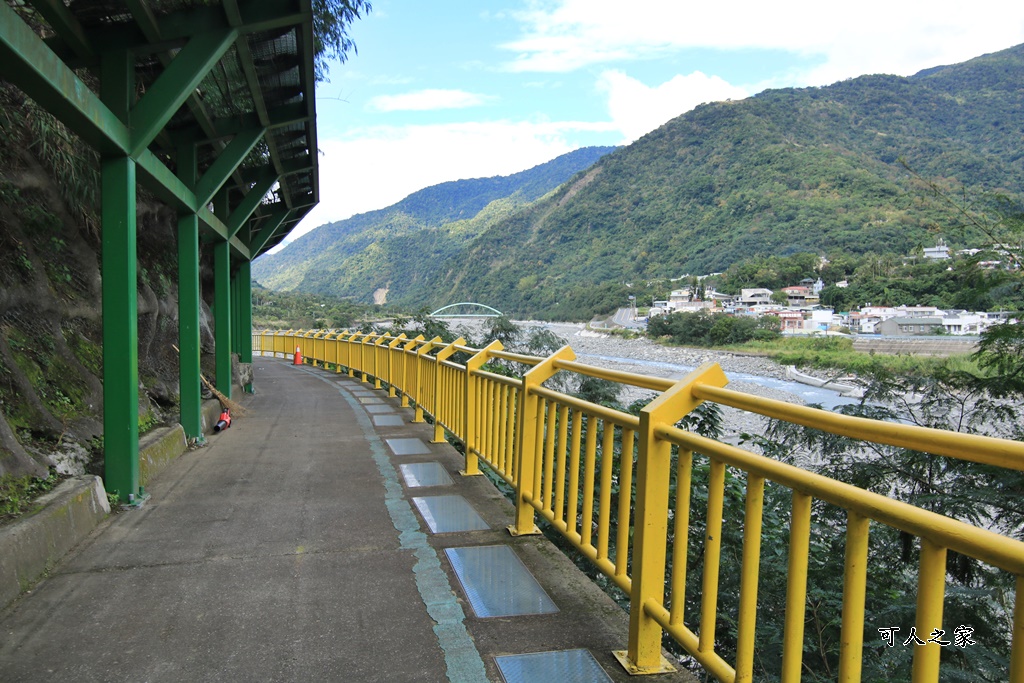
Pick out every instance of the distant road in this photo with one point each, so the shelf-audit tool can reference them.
(624, 317)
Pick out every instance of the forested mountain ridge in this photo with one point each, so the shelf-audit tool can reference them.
(821, 169)
(322, 256)
(786, 171)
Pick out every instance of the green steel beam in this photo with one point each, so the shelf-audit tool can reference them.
(308, 78)
(189, 303)
(234, 15)
(39, 73)
(36, 70)
(184, 74)
(120, 295)
(66, 26)
(289, 167)
(188, 325)
(225, 164)
(175, 28)
(268, 229)
(244, 279)
(120, 329)
(257, 16)
(145, 19)
(251, 201)
(222, 316)
(158, 179)
(235, 297)
(277, 117)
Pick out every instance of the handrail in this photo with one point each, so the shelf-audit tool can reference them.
(973, 447)
(630, 378)
(564, 457)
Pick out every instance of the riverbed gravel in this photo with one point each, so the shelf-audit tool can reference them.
(595, 348)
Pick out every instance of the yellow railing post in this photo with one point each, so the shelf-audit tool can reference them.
(529, 423)
(309, 347)
(350, 349)
(653, 468)
(931, 588)
(472, 399)
(418, 374)
(333, 352)
(364, 364)
(409, 368)
(377, 350)
(316, 355)
(442, 355)
(1017, 638)
(392, 357)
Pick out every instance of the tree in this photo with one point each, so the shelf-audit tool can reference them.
(331, 22)
(1001, 354)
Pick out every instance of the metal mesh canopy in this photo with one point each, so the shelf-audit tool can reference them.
(250, 114)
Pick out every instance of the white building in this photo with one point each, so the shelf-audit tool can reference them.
(939, 252)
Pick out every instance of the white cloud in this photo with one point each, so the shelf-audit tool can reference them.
(373, 168)
(637, 109)
(871, 37)
(427, 100)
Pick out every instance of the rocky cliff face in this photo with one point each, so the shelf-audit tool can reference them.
(51, 393)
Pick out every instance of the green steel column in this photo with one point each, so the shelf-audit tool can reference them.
(120, 297)
(244, 279)
(222, 314)
(234, 314)
(189, 306)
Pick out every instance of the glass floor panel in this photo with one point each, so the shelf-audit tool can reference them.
(407, 446)
(448, 514)
(497, 583)
(379, 409)
(388, 421)
(425, 474)
(566, 666)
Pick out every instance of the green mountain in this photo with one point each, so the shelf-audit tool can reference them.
(389, 250)
(823, 170)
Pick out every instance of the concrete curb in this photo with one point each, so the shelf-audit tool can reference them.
(32, 546)
(158, 449)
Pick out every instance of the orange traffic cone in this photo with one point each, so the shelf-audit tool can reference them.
(298, 356)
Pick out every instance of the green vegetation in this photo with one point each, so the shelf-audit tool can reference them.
(713, 329)
(288, 310)
(17, 493)
(824, 352)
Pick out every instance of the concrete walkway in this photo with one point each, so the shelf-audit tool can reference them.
(289, 549)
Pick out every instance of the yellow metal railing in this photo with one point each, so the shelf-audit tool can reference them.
(565, 458)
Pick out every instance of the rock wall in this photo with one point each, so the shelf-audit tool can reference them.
(51, 393)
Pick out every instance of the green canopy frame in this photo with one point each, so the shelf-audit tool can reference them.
(209, 106)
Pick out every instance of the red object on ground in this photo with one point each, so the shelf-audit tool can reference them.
(223, 422)
(298, 356)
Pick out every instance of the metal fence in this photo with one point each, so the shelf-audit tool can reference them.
(570, 461)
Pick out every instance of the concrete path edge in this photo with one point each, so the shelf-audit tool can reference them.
(30, 547)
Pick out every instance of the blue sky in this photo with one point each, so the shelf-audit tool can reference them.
(453, 89)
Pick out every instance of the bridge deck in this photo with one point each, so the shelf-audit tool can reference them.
(291, 549)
